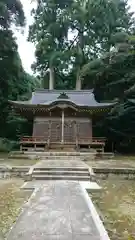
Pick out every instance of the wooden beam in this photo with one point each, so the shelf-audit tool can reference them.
(62, 137)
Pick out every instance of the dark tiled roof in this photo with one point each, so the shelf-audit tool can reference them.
(80, 98)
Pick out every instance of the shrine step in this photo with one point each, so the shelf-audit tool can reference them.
(62, 147)
(52, 156)
(76, 169)
(60, 155)
(55, 153)
(34, 153)
(61, 177)
(74, 173)
(60, 173)
(64, 158)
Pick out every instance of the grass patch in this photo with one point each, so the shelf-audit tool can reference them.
(116, 206)
(112, 163)
(11, 202)
(18, 162)
(124, 157)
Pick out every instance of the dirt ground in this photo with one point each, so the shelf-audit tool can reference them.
(18, 162)
(117, 162)
(116, 206)
(11, 203)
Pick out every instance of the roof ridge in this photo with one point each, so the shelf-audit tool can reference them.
(61, 91)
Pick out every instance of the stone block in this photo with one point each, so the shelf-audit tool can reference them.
(28, 177)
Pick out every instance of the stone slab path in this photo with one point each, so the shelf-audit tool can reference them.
(57, 210)
(61, 164)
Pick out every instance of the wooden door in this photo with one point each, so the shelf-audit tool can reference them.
(55, 130)
(69, 131)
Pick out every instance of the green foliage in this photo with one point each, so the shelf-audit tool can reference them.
(7, 145)
(15, 83)
(101, 53)
(93, 24)
(49, 33)
(115, 79)
(11, 11)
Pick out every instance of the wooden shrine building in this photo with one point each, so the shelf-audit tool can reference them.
(61, 118)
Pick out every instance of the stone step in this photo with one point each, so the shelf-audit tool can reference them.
(51, 152)
(58, 173)
(50, 157)
(19, 156)
(58, 153)
(64, 158)
(25, 157)
(106, 155)
(61, 177)
(62, 147)
(86, 156)
(61, 169)
(61, 158)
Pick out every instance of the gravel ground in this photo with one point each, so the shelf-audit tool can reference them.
(11, 203)
(116, 206)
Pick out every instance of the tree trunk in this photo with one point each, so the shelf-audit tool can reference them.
(78, 80)
(78, 77)
(51, 80)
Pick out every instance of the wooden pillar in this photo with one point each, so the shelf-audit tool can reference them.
(91, 130)
(62, 136)
(21, 147)
(51, 80)
(35, 146)
(76, 132)
(49, 132)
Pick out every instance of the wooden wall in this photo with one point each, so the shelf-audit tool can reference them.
(40, 126)
(73, 127)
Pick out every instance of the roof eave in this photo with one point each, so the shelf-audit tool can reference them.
(19, 104)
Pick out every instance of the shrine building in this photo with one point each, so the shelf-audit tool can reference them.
(61, 118)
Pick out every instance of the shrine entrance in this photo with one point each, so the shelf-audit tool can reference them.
(63, 130)
(64, 127)
(70, 130)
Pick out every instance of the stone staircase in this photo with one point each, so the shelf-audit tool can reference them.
(69, 169)
(85, 156)
(58, 173)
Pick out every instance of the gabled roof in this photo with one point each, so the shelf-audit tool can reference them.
(82, 98)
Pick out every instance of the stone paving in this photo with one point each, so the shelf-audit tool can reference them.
(61, 164)
(57, 210)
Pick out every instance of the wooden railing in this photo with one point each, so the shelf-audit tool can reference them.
(32, 139)
(94, 140)
(41, 139)
(98, 140)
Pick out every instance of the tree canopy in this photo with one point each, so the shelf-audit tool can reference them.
(14, 81)
(90, 44)
(92, 25)
(11, 11)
